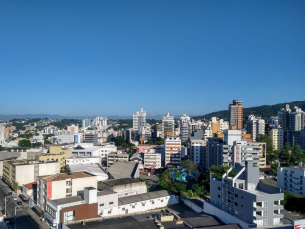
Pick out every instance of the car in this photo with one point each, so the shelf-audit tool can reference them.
(15, 198)
(9, 220)
(19, 203)
(10, 193)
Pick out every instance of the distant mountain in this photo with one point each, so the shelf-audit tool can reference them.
(265, 111)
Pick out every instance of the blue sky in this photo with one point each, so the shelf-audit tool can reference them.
(114, 57)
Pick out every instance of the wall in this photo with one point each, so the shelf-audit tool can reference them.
(82, 212)
(79, 184)
(58, 189)
(24, 174)
(1, 168)
(190, 204)
(106, 200)
(49, 168)
(225, 217)
(130, 189)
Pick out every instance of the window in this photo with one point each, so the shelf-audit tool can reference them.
(68, 190)
(69, 216)
(109, 212)
(101, 204)
(218, 196)
(111, 202)
(161, 200)
(133, 206)
(218, 188)
(236, 204)
(236, 195)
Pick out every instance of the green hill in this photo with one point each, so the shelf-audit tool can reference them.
(265, 111)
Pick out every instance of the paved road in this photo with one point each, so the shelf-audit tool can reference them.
(26, 219)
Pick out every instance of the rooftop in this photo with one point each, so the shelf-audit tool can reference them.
(144, 196)
(67, 200)
(114, 182)
(32, 185)
(122, 169)
(105, 193)
(91, 169)
(64, 176)
(292, 215)
(298, 167)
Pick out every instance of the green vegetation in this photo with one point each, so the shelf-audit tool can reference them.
(47, 142)
(289, 156)
(149, 141)
(190, 167)
(265, 111)
(65, 169)
(46, 136)
(293, 202)
(26, 135)
(15, 186)
(168, 182)
(2, 148)
(120, 142)
(159, 141)
(37, 144)
(62, 124)
(218, 172)
(24, 143)
(184, 143)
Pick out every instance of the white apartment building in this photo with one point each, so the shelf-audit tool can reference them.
(87, 149)
(292, 179)
(172, 145)
(62, 185)
(2, 139)
(197, 151)
(152, 159)
(255, 127)
(277, 136)
(184, 127)
(99, 122)
(83, 160)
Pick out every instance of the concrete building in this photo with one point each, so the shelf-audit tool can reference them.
(29, 192)
(236, 114)
(255, 127)
(99, 122)
(55, 153)
(197, 151)
(184, 127)
(243, 199)
(123, 186)
(218, 125)
(73, 129)
(90, 138)
(292, 179)
(62, 185)
(139, 124)
(68, 138)
(95, 170)
(83, 160)
(26, 171)
(152, 159)
(291, 119)
(172, 145)
(2, 133)
(168, 125)
(116, 157)
(86, 123)
(277, 137)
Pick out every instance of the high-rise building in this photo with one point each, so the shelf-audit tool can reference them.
(255, 127)
(184, 127)
(277, 137)
(172, 145)
(236, 114)
(140, 127)
(244, 198)
(2, 138)
(197, 150)
(86, 122)
(99, 122)
(73, 129)
(168, 124)
(219, 125)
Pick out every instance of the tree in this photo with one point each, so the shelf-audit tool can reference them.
(47, 142)
(24, 143)
(36, 144)
(150, 142)
(65, 169)
(15, 186)
(159, 141)
(190, 167)
(184, 143)
(2, 148)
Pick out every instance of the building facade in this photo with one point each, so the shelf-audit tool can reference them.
(236, 114)
(172, 145)
(152, 159)
(168, 125)
(277, 137)
(184, 127)
(255, 127)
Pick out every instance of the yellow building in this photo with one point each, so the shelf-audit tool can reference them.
(277, 137)
(55, 153)
(262, 153)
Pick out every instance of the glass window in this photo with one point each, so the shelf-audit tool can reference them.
(69, 216)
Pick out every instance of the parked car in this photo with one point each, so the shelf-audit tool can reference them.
(9, 220)
(19, 203)
(10, 193)
(15, 198)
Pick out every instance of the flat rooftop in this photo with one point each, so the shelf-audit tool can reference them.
(144, 196)
(64, 176)
(91, 169)
(67, 200)
(292, 215)
(298, 167)
(122, 169)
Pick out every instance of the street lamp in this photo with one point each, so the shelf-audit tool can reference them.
(15, 214)
(5, 203)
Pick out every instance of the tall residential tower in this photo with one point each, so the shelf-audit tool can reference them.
(236, 114)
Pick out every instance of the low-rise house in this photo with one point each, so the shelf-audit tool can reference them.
(124, 186)
(115, 157)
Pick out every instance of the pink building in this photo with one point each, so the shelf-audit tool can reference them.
(144, 147)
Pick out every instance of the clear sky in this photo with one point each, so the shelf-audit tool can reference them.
(114, 57)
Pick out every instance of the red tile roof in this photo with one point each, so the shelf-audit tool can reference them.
(32, 185)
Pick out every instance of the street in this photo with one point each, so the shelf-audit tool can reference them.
(24, 218)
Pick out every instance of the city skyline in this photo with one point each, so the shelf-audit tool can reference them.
(112, 58)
